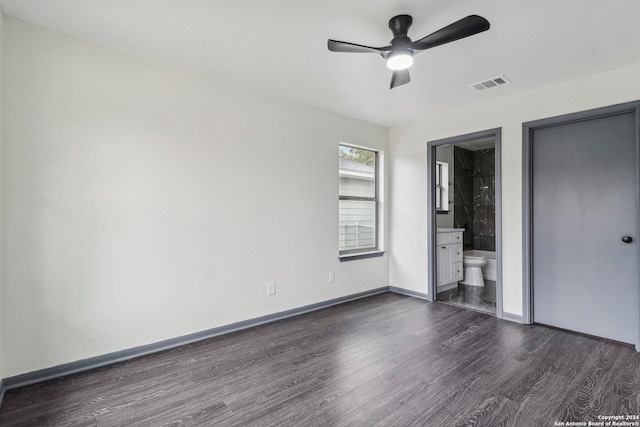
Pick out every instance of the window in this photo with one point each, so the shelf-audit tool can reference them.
(442, 187)
(358, 200)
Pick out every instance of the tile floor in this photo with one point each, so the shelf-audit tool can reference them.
(481, 298)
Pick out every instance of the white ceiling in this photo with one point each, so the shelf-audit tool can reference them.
(280, 46)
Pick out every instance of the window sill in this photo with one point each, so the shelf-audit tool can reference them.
(360, 255)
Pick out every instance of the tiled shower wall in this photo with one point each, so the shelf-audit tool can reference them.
(474, 197)
(463, 166)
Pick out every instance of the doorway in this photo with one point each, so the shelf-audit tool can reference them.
(582, 269)
(464, 221)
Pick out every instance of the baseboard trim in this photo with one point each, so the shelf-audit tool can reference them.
(45, 374)
(2, 390)
(512, 317)
(407, 292)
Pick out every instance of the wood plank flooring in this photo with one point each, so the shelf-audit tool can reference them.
(387, 360)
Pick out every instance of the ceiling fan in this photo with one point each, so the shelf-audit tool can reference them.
(400, 51)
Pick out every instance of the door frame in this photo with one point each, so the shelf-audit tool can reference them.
(527, 191)
(431, 211)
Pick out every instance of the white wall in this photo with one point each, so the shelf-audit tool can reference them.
(2, 168)
(146, 201)
(408, 169)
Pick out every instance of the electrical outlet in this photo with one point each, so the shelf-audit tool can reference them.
(271, 288)
(332, 277)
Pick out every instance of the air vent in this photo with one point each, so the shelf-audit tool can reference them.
(493, 82)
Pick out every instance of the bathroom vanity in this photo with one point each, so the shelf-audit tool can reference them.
(449, 257)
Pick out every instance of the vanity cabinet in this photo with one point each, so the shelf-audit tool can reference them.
(449, 258)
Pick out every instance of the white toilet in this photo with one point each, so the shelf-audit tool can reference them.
(473, 270)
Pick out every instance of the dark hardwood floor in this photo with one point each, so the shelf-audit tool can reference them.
(387, 360)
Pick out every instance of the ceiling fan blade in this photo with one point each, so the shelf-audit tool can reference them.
(465, 27)
(399, 78)
(338, 46)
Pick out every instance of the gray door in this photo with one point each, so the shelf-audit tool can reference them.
(585, 278)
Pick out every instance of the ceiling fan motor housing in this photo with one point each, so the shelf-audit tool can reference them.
(399, 25)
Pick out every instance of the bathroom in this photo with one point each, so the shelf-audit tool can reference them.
(466, 224)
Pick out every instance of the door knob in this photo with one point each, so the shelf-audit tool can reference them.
(627, 239)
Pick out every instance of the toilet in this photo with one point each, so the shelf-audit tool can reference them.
(473, 270)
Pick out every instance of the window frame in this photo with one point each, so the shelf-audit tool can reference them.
(442, 187)
(375, 249)
(438, 186)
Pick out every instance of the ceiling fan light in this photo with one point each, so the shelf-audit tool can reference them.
(400, 61)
